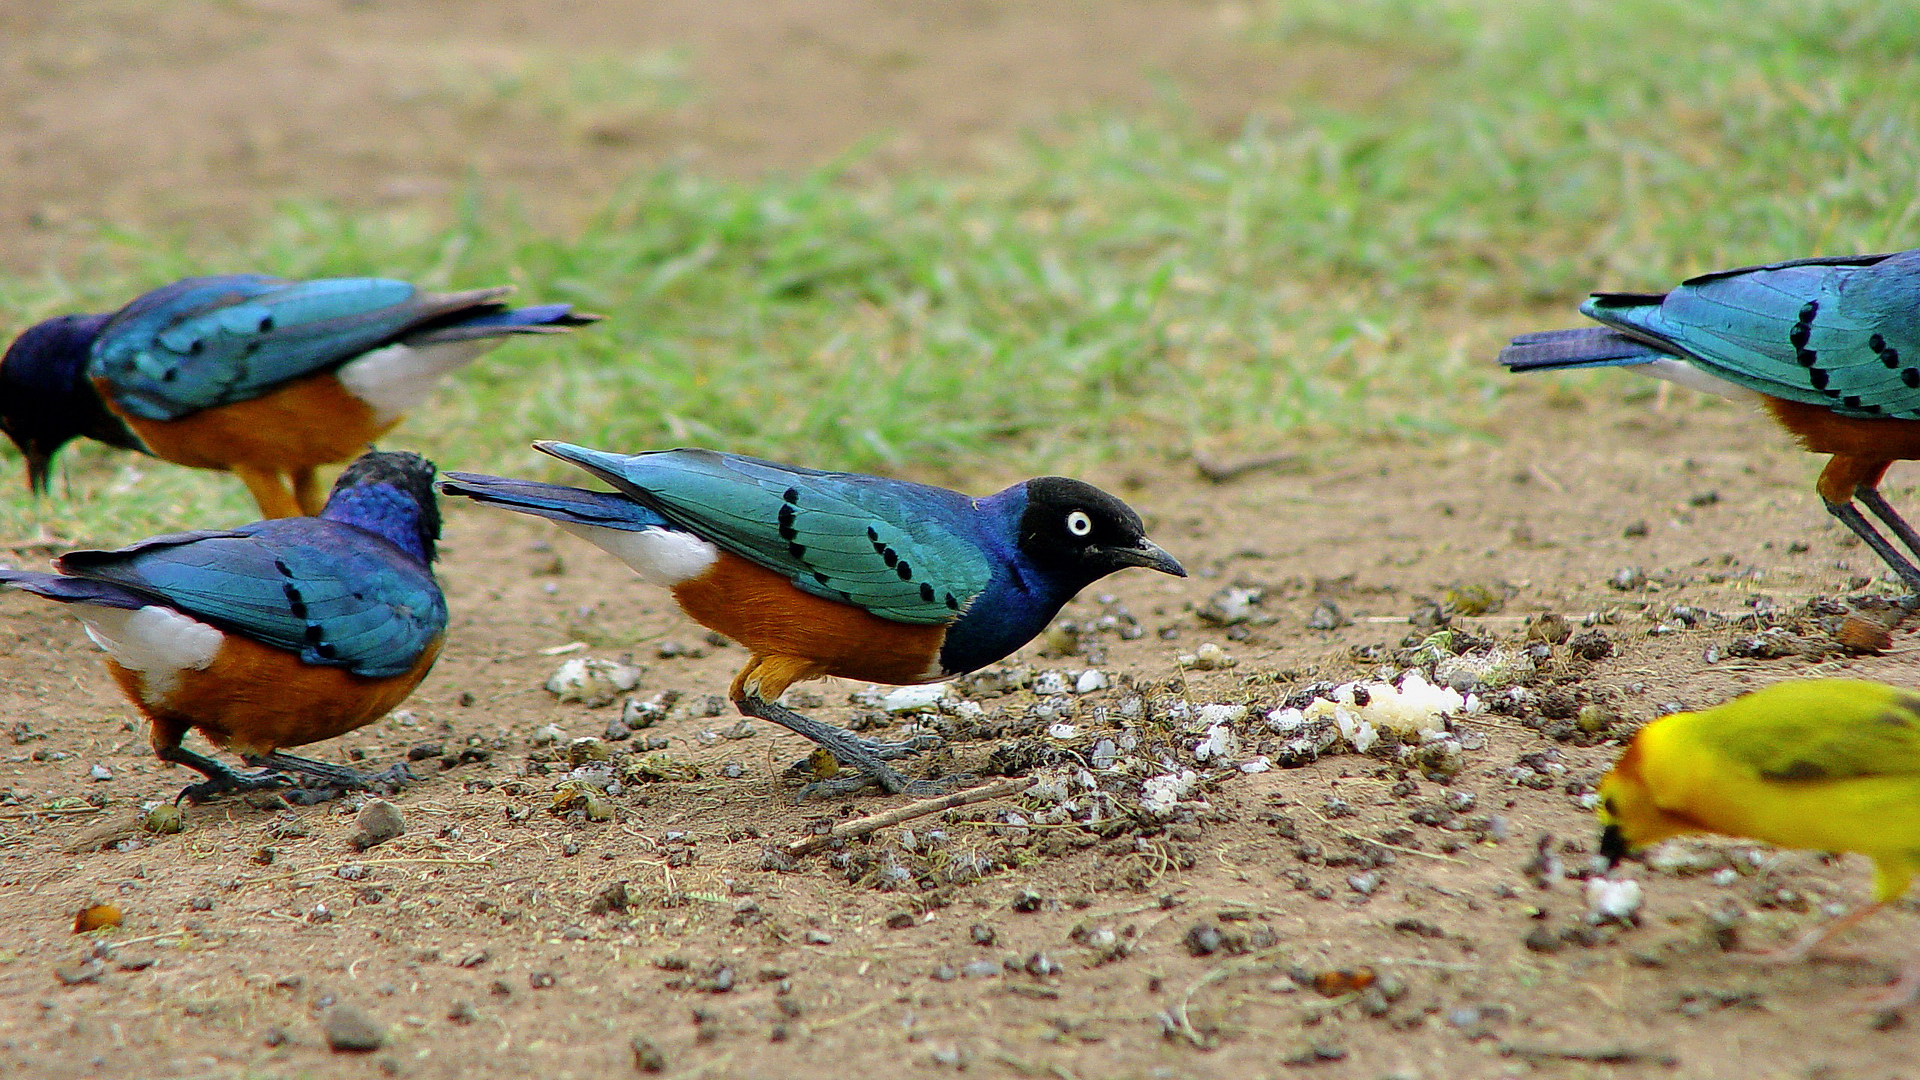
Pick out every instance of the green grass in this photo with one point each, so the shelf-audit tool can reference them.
(1135, 289)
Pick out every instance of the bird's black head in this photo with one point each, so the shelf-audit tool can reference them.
(45, 398)
(1075, 530)
(389, 492)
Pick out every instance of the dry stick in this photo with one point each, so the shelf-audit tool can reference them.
(1605, 1055)
(907, 813)
(1224, 472)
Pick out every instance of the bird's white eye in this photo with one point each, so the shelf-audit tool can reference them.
(1078, 523)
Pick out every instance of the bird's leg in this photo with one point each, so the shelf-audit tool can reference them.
(1853, 519)
(332, 779)
(1818, 936)
(269, 491)
(1884, 510)
(307, 493)
(850, 749)
(1902, 993)
(220, 779)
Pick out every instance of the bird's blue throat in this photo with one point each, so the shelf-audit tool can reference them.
(1019, 601)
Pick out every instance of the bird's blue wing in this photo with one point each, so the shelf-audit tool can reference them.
(1840, 332)
(903, 551)
(211, 341)
(335, 594)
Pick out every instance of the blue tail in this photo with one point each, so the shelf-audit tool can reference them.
(1591, 346)
(579, 506)
(73, 590)
(497, 320)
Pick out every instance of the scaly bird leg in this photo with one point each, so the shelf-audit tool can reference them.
(1853, 519)
(269, 491)
(864, 755)
(1884, 510)
(307, 494)
(1818, 936)
(333, 779)
(1902, 993)
(220, 779)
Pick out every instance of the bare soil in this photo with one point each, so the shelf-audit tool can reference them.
(489, 938)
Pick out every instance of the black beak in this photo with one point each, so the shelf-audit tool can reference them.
(1613, 845)
(1150, 555)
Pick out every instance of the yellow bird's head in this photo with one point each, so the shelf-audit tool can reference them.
(1630, 819)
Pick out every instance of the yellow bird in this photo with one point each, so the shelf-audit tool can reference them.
(1826, 764)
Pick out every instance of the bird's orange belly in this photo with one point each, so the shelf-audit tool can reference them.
(765, 612)
(1823, 431)
(302, 424)
(255, 698)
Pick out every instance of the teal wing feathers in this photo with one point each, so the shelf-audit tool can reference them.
(1839, 332)
(903, 551)
(210, 341)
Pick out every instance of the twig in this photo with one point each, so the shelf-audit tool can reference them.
(1605, 1055)
(1225, 472)
(907, 813)
(263, 879)
(34, 543)
(62, 811)
(1378, 843)
(846, 1017)
(1214, 975)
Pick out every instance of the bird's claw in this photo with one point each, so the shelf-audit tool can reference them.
(232, 782)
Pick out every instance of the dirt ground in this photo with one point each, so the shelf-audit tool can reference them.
(502, 935)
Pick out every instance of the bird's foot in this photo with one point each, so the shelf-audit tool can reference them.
(885, 751)
(228, 782)
(1902, 993)
(852, 782)
(332, 781)
(868, 756)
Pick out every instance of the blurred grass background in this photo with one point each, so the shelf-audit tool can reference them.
(1134, 289)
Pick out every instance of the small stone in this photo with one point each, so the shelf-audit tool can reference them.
(1203, 939)
(100, 772)
(164, 819)
(463, 1012)
(647, 1057)
(349, 1030)
(97, 917)
(982, 934)
(379, 821)
(592, 682)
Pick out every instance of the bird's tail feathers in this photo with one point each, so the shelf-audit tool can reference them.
(494, 320)
(1590, 346)
(567, 504)
(73, 590)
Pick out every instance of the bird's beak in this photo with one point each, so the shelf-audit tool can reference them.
(1613, 845)
(1152, 556)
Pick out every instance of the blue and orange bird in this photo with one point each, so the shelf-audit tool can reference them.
(264, 378)
(1830, 347)
(823, 573)
(281, 633)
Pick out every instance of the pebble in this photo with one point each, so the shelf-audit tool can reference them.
(100, 772)
(164, 819)
(646, 1056)
(349, 1030)
(591, 681)
(379, 821)
(1615, 901)
(1090, 681)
